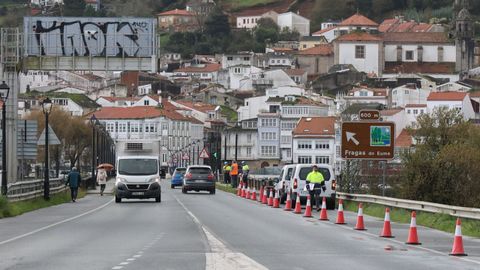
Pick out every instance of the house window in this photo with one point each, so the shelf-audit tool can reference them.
(409, 55)
(249, 151)
(286, 139)
(304, 145)
(268, 151)
(304, 160)
(322, 160)
(249, 138)
(304, 46)
(415, 111)
(246, 58)
(269, 136)
(244, 21)
(146, 102)
(363, 93)
(408, 111)
(289, 153)
(230, 58)
(360, 52)
(283, 61)
(269, 122)
(421, 111)
(322, 145)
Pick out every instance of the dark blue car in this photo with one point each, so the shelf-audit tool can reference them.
(177, 177)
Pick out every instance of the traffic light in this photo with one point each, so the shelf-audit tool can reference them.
(215, 155)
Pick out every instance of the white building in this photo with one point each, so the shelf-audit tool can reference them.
(294, 21)
(453, 87)
(203, 72)
(237, 59)
(408, 94)
(451, 100)
(356, 22)
(314, 141)
(366, 95)
(327, 33)
(244, 140)
(360, 49)
(413, 111)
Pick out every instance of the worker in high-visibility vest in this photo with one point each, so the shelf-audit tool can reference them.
(315, 185)
(245, 170)
(234, 174)
(226, 172)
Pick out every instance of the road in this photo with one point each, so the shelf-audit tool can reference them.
(202, 231)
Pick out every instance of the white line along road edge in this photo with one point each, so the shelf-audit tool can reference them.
(55, 224)
(220, 256)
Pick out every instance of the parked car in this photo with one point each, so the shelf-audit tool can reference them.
(294, 177)
(177, 178)
(199, 177)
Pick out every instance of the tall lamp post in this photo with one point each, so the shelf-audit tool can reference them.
(93, 121)
(47, 109)
(4, 91)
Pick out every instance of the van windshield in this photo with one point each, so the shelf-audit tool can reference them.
(306, 170)
(137, 166)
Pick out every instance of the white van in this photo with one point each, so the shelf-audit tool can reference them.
(293, 177)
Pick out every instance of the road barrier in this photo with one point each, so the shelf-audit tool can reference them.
(456, 211)
(25, 190)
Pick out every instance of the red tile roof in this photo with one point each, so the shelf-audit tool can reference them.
(404, 139)
(413, 37)
(295, 72)
(387, 24)
(140, 112)
(324, 50)
(315, 126)
(359, 36)
(198, 106)
(358, 20)
(446, 96)
(204, 68)
(413, 67)
(416, 106)
(320, 32)
(475, 94)
(178, 12)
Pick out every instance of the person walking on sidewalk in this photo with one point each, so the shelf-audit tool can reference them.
(73, 180)
(102, 179)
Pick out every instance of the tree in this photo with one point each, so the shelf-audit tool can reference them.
(74, 7)
(72, 131)
(217, 25)
(443, 167)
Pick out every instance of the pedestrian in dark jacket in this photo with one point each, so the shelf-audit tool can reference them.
(73, 180)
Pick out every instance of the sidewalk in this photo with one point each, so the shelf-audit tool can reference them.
(108, 189)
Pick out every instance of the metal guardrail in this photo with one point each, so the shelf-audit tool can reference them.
(456, 211)
(34, 188)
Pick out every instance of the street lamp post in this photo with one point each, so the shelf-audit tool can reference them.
(4, 91)
(47, 109)
(93, 120)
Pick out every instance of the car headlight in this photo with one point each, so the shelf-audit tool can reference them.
(120, 180)
(154, 179)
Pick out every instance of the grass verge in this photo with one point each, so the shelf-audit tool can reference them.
(226, 188)
(11, 209)
(442, 222)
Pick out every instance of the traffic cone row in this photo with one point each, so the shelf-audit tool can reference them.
(412, 239)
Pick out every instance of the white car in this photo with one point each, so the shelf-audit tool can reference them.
(293, 177)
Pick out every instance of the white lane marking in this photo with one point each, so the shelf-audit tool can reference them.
(123, 263)
(220, 256)
(403, 243)
(117, 267)
(131, 259)
(54, 224)
(137, 256)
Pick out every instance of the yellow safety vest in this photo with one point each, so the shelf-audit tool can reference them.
(315, 177)
(228, 168)
(245, 168)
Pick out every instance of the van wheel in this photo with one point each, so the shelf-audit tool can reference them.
(118, 199)
(172, 186)
(159, 198)
(212, 191)
(184, 191)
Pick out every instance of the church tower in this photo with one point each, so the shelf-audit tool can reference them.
(464, 34)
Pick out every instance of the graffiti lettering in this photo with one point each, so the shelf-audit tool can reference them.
(92, 37)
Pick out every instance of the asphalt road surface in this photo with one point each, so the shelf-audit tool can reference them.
(202, 231)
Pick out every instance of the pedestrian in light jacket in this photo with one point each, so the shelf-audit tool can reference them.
(102, 179)
(73, 180)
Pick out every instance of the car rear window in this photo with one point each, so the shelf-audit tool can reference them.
(199, 170)
(306, 170)
(182, 170)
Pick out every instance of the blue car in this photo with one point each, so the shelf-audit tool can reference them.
(177, 178)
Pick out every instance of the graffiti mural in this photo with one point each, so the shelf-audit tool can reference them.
(68, 36)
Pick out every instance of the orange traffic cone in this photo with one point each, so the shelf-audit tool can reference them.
(308, 208)
(239, 189)
(457, 249)
(247, 196)
(387, 228)
(323, 213)
(412, 234)
(360, 226)
(276, 200)
(340, 217)
(265, 196)
(253, 196)
(243, 190)
(260, 194)
(288, 202)
(270, 199)
(298, 206)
